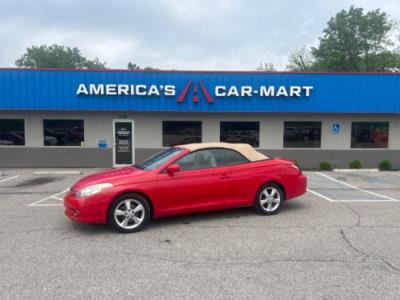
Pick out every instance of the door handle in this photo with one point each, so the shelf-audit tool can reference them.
(225, 176)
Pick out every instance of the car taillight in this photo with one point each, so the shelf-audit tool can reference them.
(297, 168)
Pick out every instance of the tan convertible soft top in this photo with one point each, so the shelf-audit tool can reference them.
(245, 149)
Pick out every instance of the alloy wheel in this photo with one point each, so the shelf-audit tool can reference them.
(270, 199)
(129, 214)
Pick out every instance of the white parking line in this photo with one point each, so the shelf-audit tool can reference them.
(57, 173)
(9, 178)
(55, 196)
(45, 205)
(350, 200)
(366, 200)
(320, 195)
(359, 189)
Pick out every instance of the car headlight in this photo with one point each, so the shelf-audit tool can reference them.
(92, 189)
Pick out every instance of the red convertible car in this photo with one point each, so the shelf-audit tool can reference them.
(185, 179)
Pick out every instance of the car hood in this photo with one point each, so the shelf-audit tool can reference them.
(115, 176)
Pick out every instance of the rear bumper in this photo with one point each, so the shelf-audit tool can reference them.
(86, 210)
(299, 188)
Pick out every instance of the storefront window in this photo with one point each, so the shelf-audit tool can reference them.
(302, 135)
(181, 132)
(12, 132)
(63, 132)
(369, 134)
(240, 132)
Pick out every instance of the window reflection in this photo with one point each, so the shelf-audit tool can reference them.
(63, 132)
(12, 132)
(369, 134)
(302, 135)
(181, 132)
(240, 132)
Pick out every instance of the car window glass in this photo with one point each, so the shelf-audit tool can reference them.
(233, 157)
(219, 156)
(200, 159)
(159, 158)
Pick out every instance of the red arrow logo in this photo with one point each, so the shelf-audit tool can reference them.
(195, 98)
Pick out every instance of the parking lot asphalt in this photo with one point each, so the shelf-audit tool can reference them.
(340, 240)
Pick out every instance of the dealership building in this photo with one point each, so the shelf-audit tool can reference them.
(105, 118)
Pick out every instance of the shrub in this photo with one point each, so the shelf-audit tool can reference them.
(355, 164)
(385, 165)
(325, 165)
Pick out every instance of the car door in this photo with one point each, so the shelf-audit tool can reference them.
(202, 183)
(244, 177)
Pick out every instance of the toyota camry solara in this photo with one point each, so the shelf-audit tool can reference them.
(185, 179)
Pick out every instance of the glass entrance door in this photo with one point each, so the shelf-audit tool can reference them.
(123, 150)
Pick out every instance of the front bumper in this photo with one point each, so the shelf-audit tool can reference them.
(92, 209)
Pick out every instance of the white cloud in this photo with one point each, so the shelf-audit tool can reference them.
(207, 34)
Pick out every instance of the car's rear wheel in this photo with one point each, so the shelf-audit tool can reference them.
(269, 199)
(129, 213)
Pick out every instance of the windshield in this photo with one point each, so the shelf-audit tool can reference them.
(158, 159)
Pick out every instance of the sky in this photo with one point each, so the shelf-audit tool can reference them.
(173, 34)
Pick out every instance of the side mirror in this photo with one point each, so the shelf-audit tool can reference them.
(171, 169)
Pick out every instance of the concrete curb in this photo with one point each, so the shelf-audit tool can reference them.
(58, 172)
(356, 170)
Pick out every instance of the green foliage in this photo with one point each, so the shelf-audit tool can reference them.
(325, 165)
(385, 165)
(94, 64)
(266, 66)
(56, 56)
(132, 66)
(353, 41)
(300, 60)
(355, 164)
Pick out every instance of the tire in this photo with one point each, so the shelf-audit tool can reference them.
(129, 213)
(269, 206)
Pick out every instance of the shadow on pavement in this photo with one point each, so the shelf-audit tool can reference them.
(196, 218)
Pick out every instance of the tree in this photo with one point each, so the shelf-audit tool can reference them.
(56, 56)
(300, 60)
(266, 66)
(354, 41)
(132, 66)
(95, 64)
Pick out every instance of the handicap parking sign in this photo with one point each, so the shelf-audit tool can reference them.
(102, 144)
(335, 128)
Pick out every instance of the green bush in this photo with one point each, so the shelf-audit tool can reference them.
(355, 164)
(325, 165)
(385, 165)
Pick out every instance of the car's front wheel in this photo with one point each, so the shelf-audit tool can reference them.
(129, 213)
(269, 199)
